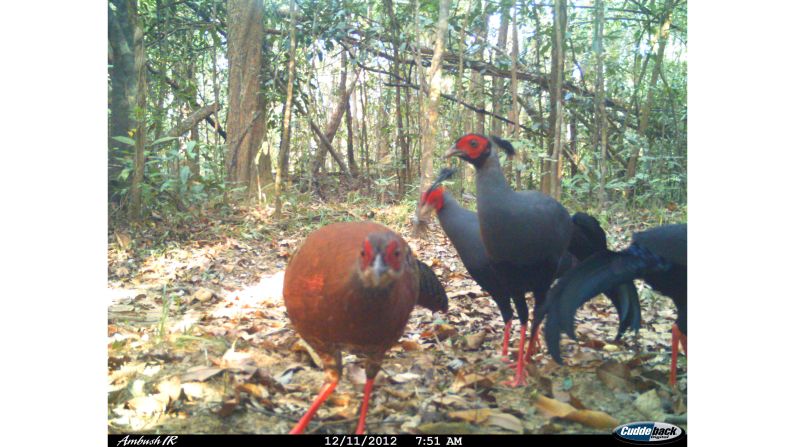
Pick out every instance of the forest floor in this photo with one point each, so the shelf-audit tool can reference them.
(199, 342)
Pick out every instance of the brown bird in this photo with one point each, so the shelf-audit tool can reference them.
(351, 286)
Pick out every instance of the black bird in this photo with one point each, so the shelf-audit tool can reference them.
(463, 229)
(658, 256)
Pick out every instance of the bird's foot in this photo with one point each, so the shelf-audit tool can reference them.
(519, 379)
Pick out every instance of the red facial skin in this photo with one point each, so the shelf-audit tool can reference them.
(435, 198)
(472, 145)
(392, 257)
(367, 254)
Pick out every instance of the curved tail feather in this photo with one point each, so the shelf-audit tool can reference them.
(588, 239)
(432, 294)
(603, 272)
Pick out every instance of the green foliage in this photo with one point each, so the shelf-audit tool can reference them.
(186, 47)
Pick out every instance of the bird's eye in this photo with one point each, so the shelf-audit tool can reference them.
(397, 253)
(473, 143)
(362, 253)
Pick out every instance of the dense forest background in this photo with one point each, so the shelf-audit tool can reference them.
(237, 127)
(284, 103)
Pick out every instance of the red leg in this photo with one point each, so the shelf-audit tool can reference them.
(368, 388)
(676, 337)
(535, 344)
(519, 379)
(325, 392)
(506, 338)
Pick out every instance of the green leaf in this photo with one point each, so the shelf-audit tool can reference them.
(125, 140)
(184, 173)
(163, 140)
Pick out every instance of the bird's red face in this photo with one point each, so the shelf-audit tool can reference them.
(471, 147)
(433, 199)
(381, 260)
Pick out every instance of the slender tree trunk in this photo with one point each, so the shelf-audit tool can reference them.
(135, 213)
(515, 111)
(193, 157)
(498, 85)
(365, 141)
(632, 164)
(574, 157)
(552, 173)
(246, 118)
(600, 114)
(477, 78)
(403, 174)
(284, 146)
(334, 122)
(435, 82)
(349, 125)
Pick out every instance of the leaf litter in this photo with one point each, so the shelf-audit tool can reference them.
(199, 342)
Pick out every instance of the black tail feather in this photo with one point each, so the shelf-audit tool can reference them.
(432, 294)
(504, 145)
(606, 271)
(444, 174)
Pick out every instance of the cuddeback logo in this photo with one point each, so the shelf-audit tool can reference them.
(645, 432)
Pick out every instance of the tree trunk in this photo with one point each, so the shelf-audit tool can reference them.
(365, 158)
(405, 163)
(497, 84)
(284, 145)
(334, 122)
(515, 111)
(123, 90)
(481, 31)
(140, 118)
(600, 114)
(349, 125)
(573, 156)
(552, 174)
(435, 82)
(246, 118)
(662, 39)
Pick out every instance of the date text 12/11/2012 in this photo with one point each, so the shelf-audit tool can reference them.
(374, 440)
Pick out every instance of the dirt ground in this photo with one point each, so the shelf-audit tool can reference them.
(199, 342)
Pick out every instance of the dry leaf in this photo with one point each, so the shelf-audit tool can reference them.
(506, 421)
(154, 403)
(475, 341)
(203, 295)
(301, 345)
(650, 404)
(451, 400)
(447, 428)
(591, 418)
(402, 395)
(200, 373)
(470, 380)
(614, 375)
(253, 389)
(170, 387)
(405, 377)
(554, 408)
(476, 416)
(410, 345)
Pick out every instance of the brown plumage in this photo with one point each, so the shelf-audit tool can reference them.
(351, 287)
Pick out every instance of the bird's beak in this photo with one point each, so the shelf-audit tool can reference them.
(453, 151)
(378, 268)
